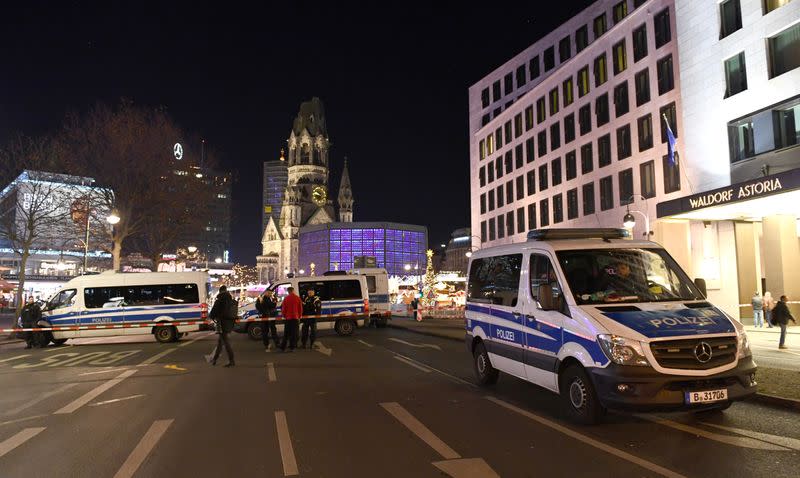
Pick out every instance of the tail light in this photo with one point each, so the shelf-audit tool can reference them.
(366, 306)
(204, 311)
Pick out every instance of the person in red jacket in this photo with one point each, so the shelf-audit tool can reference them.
(292, 310)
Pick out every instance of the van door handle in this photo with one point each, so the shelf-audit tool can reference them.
(516, 315)
(531, 318)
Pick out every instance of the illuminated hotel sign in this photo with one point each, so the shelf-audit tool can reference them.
(761, 187)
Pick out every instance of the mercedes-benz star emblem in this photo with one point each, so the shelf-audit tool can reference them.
(703, 352)
(178, 150)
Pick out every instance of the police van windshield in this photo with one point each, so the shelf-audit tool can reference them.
(625, 275)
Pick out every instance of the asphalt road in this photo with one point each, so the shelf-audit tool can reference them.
(385, 403)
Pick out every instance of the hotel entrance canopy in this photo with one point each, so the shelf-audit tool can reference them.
(745, 201)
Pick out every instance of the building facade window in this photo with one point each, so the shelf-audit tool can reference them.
(500, 195)
(572, 203)
(606, 193)
(770, 5)
(564, 50)
(518, 160)
(662, 27)
(623, 142)
(669, 112)
(555, 136)
(483, 231)
(642, 80)
(531, 180)
(520, 220)
(620, 11)
(572, 165)
(496, 93)
(485, 119)
(666, 81)
(491, 200)
(621, 104)
(544, 213)
(672, 177)
(510, 192)
(600, 70)
(483, 203)
(588, 199)
(555, 170)
(735, 75)
(626, 186)
(647, 177)
(485, 97)
(784, 51)
(518, 125)
(482, 176)
(520, 187)
(498, 137)
(587, 162)
(581, 38)
(558, 208)
(599, 26)
(567, 92)
(620, 57)
(490, 173)
(510, 223)
(508, 83)
(528, 118)
(532, 216)
(543, 178)
(604, 150)
(522, 76)
(569, 128)
(498, 167)
(507, 130)
(645, 129)
(640, 43)
(533, 67)
(509, 162)
(492, 232)
(554, 101)
(501, 226)
(601, 109)
(549, 58)
(529, 150)
(585, 119)
(542, 139)
(583, 82)
(730, 17)
(541, 110)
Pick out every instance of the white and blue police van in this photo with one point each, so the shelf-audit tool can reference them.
(605, 322)
(345, 303)
(380, 305)
(128, 300)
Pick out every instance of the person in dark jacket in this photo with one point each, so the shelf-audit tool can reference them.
(781, 317)
(291, 310)
(266, 307)
(312, 307)
(31, 315)
(224, 313)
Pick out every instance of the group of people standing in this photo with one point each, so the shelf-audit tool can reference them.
(293, 309)
(765, 309)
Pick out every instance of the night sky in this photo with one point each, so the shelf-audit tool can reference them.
(393, 78)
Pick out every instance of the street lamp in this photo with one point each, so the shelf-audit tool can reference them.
(192, 249)
(218, 260)
(113, 218)
(302, 272)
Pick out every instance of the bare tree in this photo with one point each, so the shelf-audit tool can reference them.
(129, 149)
(34, 207)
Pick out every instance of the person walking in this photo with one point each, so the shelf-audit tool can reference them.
(312, 307)
(267, 307)
(758, 310)
(292, 310)
(30, 317)
(769, 304)
(224, 313)
(782, 316)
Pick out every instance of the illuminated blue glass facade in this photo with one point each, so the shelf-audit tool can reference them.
(333, 246)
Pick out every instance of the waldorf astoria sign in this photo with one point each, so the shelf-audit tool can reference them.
(756, 188)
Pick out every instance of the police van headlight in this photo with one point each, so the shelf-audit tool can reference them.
(623, 351)
(744, 346)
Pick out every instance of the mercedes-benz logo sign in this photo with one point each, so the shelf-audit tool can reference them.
(178, 150)
(703, 352)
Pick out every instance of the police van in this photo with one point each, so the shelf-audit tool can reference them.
(380, 307)
(605, 322)
(128, 300)
(345, 303)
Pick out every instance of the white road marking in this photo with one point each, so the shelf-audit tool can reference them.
(157, 356)
(466, 468)
(53, 349)
(409, 362)
(742, 442)
(587, 440)
(19, 439)
(793, 443)
(102, 371)
(22, 420)
(368, 345)
(15, 358)
(322, 349)
(419, 346)
(285, 445)
(41, 397)
(421, 431)
(271, 372)
(201, 337)
(116, 400)
(92, 394)
(452, 377)
(139, 454)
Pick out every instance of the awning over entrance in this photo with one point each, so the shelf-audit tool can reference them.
(746, 201)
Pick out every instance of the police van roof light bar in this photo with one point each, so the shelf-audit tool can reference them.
(577, 233)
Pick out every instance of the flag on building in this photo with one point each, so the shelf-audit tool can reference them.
(670, 142)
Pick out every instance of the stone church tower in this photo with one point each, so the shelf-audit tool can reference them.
(306, 200)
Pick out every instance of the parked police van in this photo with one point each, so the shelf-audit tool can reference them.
(345, 303)
(604, 321)
(128, 299)
(380, 307)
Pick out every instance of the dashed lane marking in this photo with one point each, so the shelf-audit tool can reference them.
(409, 362)
(41, 397)
(145, 446)
(587, 440)
(792, 443)
(365, 343)
(103, 371)
(421, 431)
(419, 346)
(18, 420)
(18, 439)
(157, 356)
(271, 373)
(740, 441)
(106, 402)
(14, 358)
(285, 445)
(92, 394)
(452, 377)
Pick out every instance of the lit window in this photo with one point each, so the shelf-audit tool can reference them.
(583, 81)
(620, 11)
(620, 57)
(567, 91)
(770, 5)
(600, 71)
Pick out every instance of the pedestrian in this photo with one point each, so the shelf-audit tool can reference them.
(267, 308)
(312, 307)
(758, 310)
(224, 313)
(30, 317)
(292, 310)
(769, 304)
(781, 317)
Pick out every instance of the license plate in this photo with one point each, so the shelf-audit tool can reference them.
(706, 396)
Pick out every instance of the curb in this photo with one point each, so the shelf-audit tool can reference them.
(425, 332)
(776, 401)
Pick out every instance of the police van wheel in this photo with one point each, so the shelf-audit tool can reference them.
(344, 327)
(255, 331)
(486, 374)
(578, 394)
(166, 335)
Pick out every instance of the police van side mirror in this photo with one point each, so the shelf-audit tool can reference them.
(701, 285)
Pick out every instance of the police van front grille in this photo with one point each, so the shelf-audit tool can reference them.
(680, 354)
